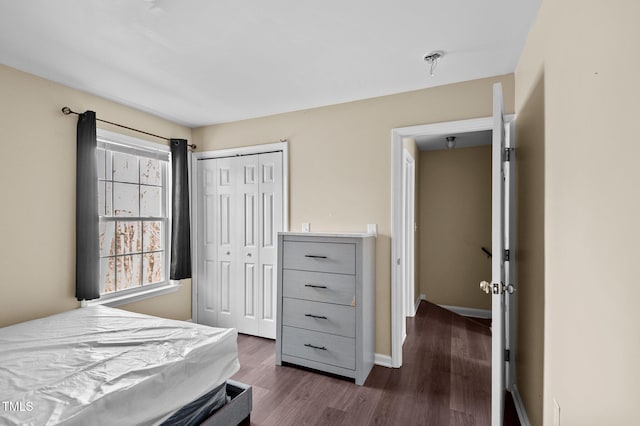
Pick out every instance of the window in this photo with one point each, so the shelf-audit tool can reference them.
(133, 205)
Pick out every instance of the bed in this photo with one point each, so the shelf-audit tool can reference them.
(105, 366)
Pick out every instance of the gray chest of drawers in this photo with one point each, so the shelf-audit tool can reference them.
(326, 302)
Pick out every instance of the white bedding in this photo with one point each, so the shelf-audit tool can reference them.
(105, 366)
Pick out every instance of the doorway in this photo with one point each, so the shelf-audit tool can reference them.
(500, 126)
(398, 246)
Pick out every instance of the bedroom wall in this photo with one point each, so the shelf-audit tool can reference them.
(591, 206)
(530, 232)
(340, 161)
(37, 181)
(454, 224)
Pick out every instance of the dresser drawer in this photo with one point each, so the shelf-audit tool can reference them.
(321, 257)
(319, 286)
(318, 316)
(320, 347)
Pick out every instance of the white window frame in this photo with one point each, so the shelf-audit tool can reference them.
(151, 290)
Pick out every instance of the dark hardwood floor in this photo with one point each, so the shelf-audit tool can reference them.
(445, 380)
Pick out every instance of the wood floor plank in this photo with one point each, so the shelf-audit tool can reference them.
(331, 417)
(445, 380)
(461, 419)
(359, 406)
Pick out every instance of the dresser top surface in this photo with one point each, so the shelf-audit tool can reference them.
(328, 234)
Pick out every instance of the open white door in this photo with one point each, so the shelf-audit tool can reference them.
(510, 264)
(499, 211)
(501, 286)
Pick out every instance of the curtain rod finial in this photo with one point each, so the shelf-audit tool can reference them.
(66, 110)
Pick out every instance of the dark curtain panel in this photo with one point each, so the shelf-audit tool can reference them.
(180, 228)
(87, 245)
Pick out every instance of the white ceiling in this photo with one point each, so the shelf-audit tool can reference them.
(463, 140)
(202, 62)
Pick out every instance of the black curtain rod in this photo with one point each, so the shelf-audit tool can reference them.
(242, 155)
(67, 111)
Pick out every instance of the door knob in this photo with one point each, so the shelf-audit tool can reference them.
(485, 286)
(249, 254)
(228, 253)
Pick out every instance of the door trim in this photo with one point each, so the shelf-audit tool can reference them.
(408, 229)
(230, 152)
(397, 134)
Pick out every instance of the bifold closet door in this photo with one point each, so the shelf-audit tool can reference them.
(271, 222)
(245, 233)
(225, 222)
(207, 301)
(241, 215)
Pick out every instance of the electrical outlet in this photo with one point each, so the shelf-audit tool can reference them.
(556, 413)
(306, 227)
(372, 228)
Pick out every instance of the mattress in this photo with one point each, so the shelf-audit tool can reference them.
(105, 366)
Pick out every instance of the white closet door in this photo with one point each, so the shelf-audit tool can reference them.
(226, 241)
(241, 201)
(247, 233)
(271, 222)
(208, 303)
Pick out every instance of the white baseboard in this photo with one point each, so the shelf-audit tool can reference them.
(189, 320)
(469, 312)
(382, 360)
(415, 308)
(423, 297)
(517, 401)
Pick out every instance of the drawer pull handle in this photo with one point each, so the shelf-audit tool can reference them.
(315, 316)
(315, 256)
(309, 345)
(315, 286)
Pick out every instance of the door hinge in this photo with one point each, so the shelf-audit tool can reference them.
(507, 355)
(507, 255)
(508, 153)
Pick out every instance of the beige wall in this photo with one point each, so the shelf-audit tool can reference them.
(37, 181)
(591, 206)
(454, 224)
(340, 161)
(530, 232)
